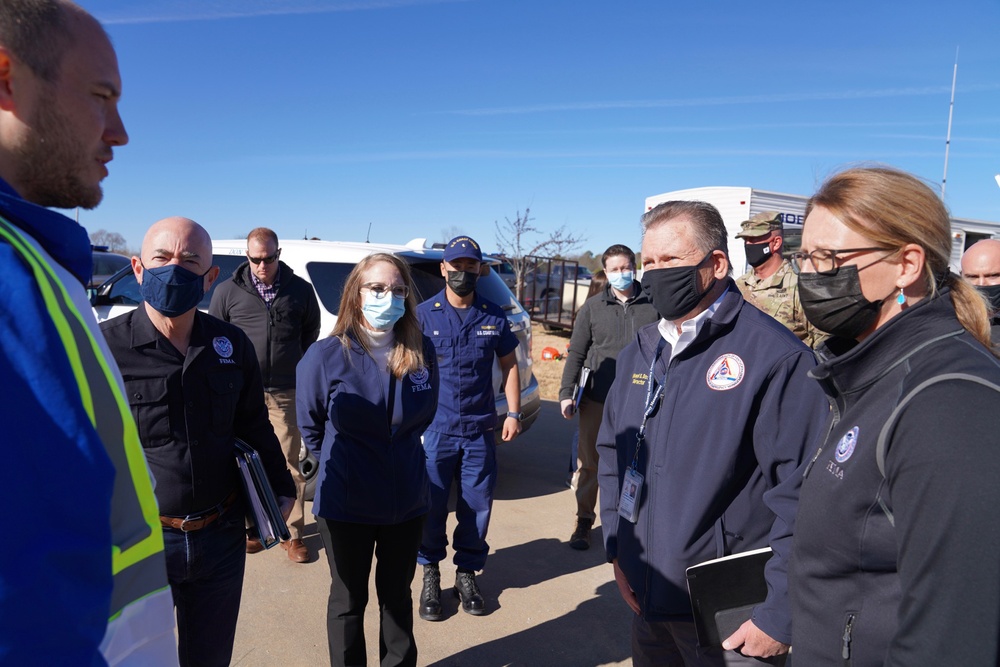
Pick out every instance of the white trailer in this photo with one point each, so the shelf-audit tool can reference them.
(737, 204)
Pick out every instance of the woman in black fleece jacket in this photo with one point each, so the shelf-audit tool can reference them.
(895, 558)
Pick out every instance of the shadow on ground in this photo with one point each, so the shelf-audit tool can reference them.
(536, 463)
(572, 640)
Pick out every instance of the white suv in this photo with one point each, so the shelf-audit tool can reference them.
(326, 264)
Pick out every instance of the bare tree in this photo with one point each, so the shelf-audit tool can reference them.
(515, 242)
(114, 241)
(450, 233)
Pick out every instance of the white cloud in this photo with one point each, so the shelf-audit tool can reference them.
(172, 11)
(770, 98)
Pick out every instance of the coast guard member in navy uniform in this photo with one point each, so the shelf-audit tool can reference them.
(468, 333)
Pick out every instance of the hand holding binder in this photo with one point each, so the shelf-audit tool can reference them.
(580, 386)
(724, 592)
(263, 512)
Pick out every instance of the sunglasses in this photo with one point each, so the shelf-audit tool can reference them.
(270, 259)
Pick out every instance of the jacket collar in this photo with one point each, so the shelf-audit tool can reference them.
(145, 334)
(638, 295)
(241, 276)
(478, 305)
(850, 366)
(720, 323)
(65, 240)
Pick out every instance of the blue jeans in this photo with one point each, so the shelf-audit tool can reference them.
(472, 462)
(205, 571)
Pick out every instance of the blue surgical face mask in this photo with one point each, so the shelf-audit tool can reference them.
(621, 280)
(382, 314)
(172, 290)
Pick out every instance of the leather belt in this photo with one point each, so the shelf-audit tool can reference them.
(198, 521)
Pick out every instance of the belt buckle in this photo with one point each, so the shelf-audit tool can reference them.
(183, 527)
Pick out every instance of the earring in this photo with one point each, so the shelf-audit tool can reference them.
(901, 299)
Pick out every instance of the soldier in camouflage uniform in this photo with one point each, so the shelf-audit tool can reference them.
(770, 284)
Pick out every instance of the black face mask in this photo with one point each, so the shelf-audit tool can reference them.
(674, 291)
(835, 304)
(757, 253)
(992, 294)
(462, 283)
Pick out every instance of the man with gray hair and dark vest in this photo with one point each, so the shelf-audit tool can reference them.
(82, 576)
(770, 284)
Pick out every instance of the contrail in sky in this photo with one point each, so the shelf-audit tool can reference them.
(186, 10)
(770, 98)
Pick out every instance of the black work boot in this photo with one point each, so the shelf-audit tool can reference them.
(468, 592)
(580, 539)
(430, 596)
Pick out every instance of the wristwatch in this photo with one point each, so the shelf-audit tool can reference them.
(516, 415)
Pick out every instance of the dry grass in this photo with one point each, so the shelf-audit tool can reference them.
(549, 373)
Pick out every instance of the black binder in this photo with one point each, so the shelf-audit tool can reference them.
(724, 592)
(580, 386)
(263, 513)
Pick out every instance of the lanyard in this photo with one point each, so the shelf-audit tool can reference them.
(653, 398)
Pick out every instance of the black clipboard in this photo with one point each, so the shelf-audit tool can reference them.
(724, 592)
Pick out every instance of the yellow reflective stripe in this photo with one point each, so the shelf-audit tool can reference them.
(45, 276)
(58, 319)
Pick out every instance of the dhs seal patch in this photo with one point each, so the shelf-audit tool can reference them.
(846, 445)
(223, 347)
(725, 373)
(420, 376)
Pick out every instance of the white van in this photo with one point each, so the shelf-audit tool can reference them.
(326, 265)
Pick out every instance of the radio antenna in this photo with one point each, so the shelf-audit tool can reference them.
(947, 141)
(368, 238)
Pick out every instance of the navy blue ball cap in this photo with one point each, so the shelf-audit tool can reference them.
(462, 246)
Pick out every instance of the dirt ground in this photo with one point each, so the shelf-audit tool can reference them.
(549, 373)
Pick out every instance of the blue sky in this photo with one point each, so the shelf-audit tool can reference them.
(427, 117)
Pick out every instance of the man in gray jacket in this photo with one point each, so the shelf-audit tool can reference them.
(279, 312)
(605, 324)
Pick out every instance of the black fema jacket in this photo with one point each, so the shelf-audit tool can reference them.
(603, 326)
(722, 458)
(280, 334)
(925, 591)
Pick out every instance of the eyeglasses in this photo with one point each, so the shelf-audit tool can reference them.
(379, 290)
(270, 259)
(824, 260)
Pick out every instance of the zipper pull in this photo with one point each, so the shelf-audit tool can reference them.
(847, 636)
(812, 462)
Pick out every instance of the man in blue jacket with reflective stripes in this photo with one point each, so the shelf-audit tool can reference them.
(700, 451)
(82, 575)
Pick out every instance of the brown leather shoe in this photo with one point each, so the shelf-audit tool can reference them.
(254, 545)
(297, 551)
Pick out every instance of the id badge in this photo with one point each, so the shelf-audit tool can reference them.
(628, 503)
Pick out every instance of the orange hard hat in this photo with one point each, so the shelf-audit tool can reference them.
(550, 353)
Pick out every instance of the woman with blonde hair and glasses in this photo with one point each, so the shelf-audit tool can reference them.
(364, 396)
(895, 558)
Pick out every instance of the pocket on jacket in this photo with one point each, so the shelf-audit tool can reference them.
(224, 386)
(147, 397)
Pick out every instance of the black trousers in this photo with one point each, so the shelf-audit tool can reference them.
(349, 548)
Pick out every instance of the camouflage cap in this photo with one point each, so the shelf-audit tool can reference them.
(760, 224)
